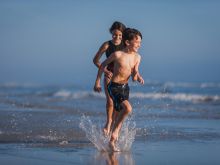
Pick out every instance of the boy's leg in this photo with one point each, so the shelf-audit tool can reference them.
(109, 108)
(118, 123)
(114, 118)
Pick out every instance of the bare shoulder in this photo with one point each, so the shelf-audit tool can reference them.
(138, 57)
(105, 45)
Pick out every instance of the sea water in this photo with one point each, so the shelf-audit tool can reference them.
(73, 114)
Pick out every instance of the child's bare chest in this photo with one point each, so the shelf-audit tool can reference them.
(126, 62)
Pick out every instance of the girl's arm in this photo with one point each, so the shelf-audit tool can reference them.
(99, 54)
(111, 58)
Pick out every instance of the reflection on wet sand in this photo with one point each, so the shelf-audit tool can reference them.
(114, 158)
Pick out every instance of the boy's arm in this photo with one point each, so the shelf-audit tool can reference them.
(140, 79)
(97, 86)
(136, 75)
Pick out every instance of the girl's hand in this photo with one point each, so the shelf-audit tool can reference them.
(97, 87)
(108, 73)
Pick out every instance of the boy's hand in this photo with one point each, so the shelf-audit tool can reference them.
(97, 87)
(140, 80)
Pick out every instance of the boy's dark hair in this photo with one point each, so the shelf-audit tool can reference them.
(117, 26)
(129, 34)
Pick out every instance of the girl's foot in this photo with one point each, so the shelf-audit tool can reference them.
(105, 132)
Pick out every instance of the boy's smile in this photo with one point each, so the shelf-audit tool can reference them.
(134, 44)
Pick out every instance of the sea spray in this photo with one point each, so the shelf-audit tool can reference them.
(94, 133)
(127, 134)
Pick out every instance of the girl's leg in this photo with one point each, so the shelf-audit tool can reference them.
(109, 108)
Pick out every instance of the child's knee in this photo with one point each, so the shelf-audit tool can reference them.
(127, 108)
(109, 103)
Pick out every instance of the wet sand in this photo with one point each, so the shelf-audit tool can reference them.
(142, 152)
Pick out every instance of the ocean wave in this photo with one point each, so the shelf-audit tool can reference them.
(170, 84)
(194, 98)
(192, 85)
(191, 92)
(78, 95)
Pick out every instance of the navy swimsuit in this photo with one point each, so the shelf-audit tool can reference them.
(111, 49)
(118, 93)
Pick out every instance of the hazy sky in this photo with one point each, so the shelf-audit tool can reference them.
(54, 41)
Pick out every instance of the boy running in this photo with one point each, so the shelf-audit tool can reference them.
(126, 63)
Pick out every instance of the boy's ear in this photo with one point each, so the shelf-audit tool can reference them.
(127, 43)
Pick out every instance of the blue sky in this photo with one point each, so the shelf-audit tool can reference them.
(54, 41)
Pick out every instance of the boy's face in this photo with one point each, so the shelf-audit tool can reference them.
(134, 44)
(116, 36)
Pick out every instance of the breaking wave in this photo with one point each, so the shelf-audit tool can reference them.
(194, 98)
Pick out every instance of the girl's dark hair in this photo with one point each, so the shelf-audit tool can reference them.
(129, 34)
(117, 26)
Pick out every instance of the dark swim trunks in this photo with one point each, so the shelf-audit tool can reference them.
(118, 93)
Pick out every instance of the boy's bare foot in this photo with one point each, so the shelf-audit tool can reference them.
(114, 136)
(112, 143)
(113, 147)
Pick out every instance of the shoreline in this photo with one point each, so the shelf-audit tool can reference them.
(166, 152)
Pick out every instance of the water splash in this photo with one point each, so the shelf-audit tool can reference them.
(94, 133)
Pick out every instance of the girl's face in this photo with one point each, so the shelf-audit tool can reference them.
(134, 44)
(116, 37)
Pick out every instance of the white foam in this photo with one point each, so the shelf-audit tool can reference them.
(62, 93)
(50, 138)
(192, 85)
(177, 97)
(78, 95)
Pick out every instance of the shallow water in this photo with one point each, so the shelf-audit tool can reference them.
(163, 152)
(166, 118)
(94, 133)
